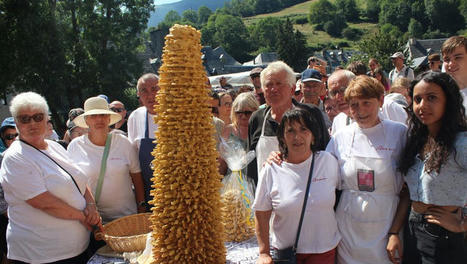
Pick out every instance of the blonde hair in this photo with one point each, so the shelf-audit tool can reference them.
(364, 87)
(400, 85)
(279, 66)
(243, 100)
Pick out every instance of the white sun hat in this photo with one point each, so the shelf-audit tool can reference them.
(96, 106)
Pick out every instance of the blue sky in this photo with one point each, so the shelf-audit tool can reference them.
(161, 2)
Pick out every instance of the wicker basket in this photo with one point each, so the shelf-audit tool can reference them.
(127, 234)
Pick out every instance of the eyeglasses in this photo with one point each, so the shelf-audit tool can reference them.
(117, 110)
(247, 113)
(227, 104)
(26, 119)
(11, 136)
(334, 93)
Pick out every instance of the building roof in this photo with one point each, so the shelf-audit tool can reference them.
(417, 48)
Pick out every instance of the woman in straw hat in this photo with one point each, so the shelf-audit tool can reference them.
(50, 207)
(109, 160)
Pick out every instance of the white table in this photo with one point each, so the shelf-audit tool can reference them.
(245, 252)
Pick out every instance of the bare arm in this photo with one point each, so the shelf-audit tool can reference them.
(394, 242)
(137, 180)
(54, 206)
(262, 235)
(92, 215)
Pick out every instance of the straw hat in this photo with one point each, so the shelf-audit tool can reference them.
(96, 106)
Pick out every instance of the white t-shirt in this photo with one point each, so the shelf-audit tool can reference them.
(390, 110)
(340, 120)
(393, 111)
(395, 74)
(137, 125)
(33, 236)
(370, 142)
(117, 198)
(281, 188)
(464, 97)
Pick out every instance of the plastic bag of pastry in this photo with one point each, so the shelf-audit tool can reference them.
(237, 193)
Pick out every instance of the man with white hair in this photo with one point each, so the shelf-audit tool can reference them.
(337, 83)
(278, 82)
(141, 127)
(400, 69)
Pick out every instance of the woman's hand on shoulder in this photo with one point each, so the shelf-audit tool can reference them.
(264, 259)
(274, 157)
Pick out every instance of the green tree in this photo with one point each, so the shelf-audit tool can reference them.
(266, 6)
(264, 33)
(372, 10)
(396, 12)
(352, 33)
(349, 9)
(321, 11)
(71, 50)
(172, 17)
(335, 26)
(381, 46)
(190, 16)
(229, 32)
(34, 55)
(463, 9)
(444, 15)
(415, 29)
(291, 46)
(203, 14)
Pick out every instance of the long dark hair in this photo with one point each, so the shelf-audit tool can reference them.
(452, 122)
(303, 117)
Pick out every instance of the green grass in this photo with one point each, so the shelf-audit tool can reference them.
(314, 38)
(293, 11)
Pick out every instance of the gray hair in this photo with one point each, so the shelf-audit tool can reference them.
(336, 75)
(279, 66)
(144, 78)
(28, 100)
(243, 100)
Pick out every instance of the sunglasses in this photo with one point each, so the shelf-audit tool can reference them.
(247, 113)
(11, 136)
(340, 91)
(26, 119)
(117, 110)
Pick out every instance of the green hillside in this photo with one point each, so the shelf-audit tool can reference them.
(293, 11)
(315, 38)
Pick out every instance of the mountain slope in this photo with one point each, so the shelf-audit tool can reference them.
(161, 10)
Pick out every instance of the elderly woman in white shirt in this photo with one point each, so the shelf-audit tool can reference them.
(368, 152)
(120, 169)
(281, 190)
(51, 209)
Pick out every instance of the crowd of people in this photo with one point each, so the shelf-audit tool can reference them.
(355, 166)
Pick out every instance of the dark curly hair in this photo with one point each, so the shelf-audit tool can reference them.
(453, 122)
(303, 117)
